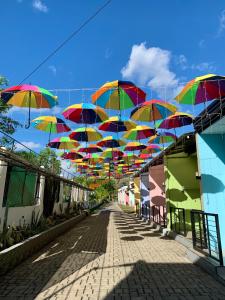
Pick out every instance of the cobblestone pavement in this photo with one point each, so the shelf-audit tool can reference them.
(110, 255)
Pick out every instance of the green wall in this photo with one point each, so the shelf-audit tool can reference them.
(182, 187)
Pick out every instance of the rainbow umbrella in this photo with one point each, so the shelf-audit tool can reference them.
(163, 138)
(117, 124)
(90, 149)
(30, 96)
(50, 124)
(110, 142)
(139, 132)
(153, 110)
(127, 157)
(118, 95)
(202, 89)
(179, 119)
(93, 158)
(85, 134)
(112, 153)
(86, 113)
(151, 149)
(133, 146)
(73, 154)
(145, 155)
(63, 143)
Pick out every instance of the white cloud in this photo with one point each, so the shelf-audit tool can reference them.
(201, 67)
(221, 23)
(151, 67)
(40, 6)
(30, 145)
(53, 69)
(53, 111)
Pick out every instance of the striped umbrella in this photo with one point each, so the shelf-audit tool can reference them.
(118, 95)
(90, 149)
(110, 142)
(63, 142)
(86, 113)
(133, 146)
(139, 132)
(73, 154)
(179, 119)
(85, 134)
(163, 138)
(30, 96)
(117, 124)
(112, 153)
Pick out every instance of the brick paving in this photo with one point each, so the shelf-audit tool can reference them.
(110, 255)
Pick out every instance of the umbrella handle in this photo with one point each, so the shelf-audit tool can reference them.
(28, 122)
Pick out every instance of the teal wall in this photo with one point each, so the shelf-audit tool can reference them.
(211, 157)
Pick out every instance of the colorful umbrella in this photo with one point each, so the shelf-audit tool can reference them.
(202, 89)
(151, 149)
(179, 119)
(133, 146)
(112, 153)
(110, 142)
(127, 157)
(86, 113)
(153, 110)
(30, 96)
(85, 134)
(50, 124)
(90, 149)
(93, 158)
(139, 132)
(63, 143)
(145, 155)
(163, 138)
(118, 95)
(117, 124)
(72, 155)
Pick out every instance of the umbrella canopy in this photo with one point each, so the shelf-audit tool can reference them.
(90, 149)
(179, 119)
(63, 143)
(30, 96)
(127, 157)
(112, 153)
(153, 110)
(151, 149)
(110, 142)
(163, 138)
(133, 146)
(139, 132)
(86, 113)
(72, 155)
(85, 134)
(118, 95)
(93, 158)
(145, 155)
(50, 124)
(202, 89)
(117, 124)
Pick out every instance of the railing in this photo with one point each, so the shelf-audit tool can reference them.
(159, 215)
(145, 211)
(177, 220)
(206, 234)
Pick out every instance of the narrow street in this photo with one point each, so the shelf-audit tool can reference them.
(110, 255)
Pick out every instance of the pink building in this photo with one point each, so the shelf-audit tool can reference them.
(157, 193)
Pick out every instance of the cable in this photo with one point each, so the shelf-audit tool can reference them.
(67, 39)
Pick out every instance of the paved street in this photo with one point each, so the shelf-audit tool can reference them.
(110, 255)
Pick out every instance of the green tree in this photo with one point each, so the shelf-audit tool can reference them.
(7, 124)
(48, 159)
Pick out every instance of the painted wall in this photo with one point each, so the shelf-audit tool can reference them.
(157, 190)
(137, 193)
(211, 159)
(131, 194)
(123, 197)
(144, 194)
(182, 187)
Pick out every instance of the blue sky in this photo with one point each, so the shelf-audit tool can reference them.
(159, 45)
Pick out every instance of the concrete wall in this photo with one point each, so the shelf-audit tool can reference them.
(182, 187)
(123, 196)
(157, 189)
(211, 159)
(131, 194)
(144, 193)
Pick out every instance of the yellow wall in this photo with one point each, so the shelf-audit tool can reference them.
(137, 190)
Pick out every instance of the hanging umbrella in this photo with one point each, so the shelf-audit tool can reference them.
(151, 149)
(63, 142)
(110, 142)
(163, 138)
(85, 134)
(145, 155)
(93, 158)
(133, 146)
(86, 113)
(118, 95)
(112, 153)
(50, 124)
(30, 96)
(153, 110)
(90, 149)
(73, 154)
(139, 132)
(202, 89)
(127, 157)
(179, 119)
(117, 124)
